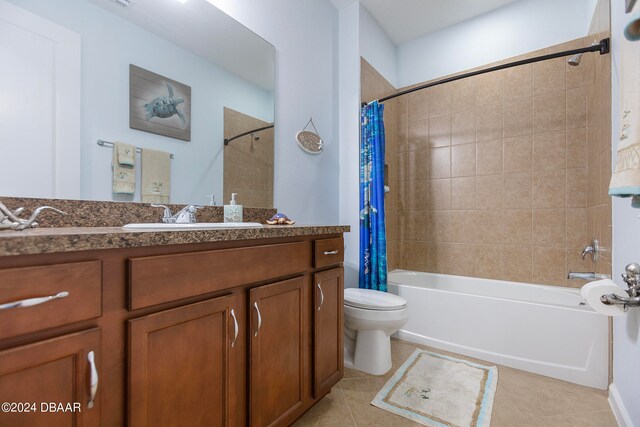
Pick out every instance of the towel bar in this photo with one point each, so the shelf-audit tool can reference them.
(104, 143)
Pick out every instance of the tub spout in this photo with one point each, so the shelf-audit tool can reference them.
(587, 275)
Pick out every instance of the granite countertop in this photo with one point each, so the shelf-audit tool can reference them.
(70, 239)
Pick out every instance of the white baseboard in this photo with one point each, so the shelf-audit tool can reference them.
(617, 406)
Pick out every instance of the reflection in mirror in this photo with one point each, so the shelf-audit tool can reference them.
(248, 159)
(94, 43)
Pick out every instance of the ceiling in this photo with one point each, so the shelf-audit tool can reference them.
(204, 30)
(406, 20)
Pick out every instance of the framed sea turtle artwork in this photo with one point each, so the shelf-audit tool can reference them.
(158, 104)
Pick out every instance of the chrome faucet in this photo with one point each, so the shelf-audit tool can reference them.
(587, 275)
(593, 249)
(186, 214)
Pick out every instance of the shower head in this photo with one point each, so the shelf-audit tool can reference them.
(254, 137)
(575, 59)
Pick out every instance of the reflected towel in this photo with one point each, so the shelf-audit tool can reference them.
(625, 180)
(124, 174)
(156, 176)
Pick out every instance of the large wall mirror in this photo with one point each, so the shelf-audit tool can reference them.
(66, 83)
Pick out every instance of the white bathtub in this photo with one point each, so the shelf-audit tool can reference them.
(541, 329)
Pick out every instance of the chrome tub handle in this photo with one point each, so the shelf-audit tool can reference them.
(235, 326)
(331, 252)
(255, 305)
(33, 301)
(94, 378)
(321, 297)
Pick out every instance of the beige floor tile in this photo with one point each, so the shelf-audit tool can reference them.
(522, 399)
(332, 410)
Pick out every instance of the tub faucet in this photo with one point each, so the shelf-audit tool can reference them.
(587, 275)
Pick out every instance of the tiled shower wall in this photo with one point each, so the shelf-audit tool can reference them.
(248, 164)
(374, 86)
(493, 176)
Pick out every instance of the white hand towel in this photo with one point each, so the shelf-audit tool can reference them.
(124, 175)
(126, 153)
(156, 176)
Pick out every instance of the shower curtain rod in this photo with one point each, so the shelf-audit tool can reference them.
(228, 140)
(603, 47)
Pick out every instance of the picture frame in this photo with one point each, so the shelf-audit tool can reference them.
(158, 104)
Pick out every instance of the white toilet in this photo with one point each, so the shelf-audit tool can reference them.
(370, 317)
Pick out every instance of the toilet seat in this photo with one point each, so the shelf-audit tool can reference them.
(369, 299)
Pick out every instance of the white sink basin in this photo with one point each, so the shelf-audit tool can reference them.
(192, 226)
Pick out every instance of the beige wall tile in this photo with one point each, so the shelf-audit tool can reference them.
(417, 105)
(439, 258)
(489, 122)
(577, 188)
(439, 226)
(419, 134)
(577, 148)
(414, 255)
(517, 225)
(549, 227)
(463, 193)
(549, 76)
(418, 164)
(489, 89)
(518, 117)
(440, 131)
(439, 100)
(487, 227)
(549, 266)
(440, 162)
(577, 228)
(549, 189)
(517, 190)
(440, 194)
(463, 160)
(518, 83)
(549, 151)
(576, 108)
(489, 157)
(463, 95)
(549, 112)
(487, 261)
(489, 192)
(463, 127)
(517, 263)
(518, 154)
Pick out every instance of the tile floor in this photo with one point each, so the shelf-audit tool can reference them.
(522, 400)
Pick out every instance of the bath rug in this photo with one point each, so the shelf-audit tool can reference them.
(436, 391)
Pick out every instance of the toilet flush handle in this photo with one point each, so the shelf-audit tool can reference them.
(321, 297)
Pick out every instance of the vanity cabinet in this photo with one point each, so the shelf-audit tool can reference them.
(278, 351)
(182, 363)
(328, 350)
(225, 333)
(51, 372)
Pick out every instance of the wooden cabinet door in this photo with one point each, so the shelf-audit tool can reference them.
(55, 375)
(278, 351)
(328, 358)
(183, 364)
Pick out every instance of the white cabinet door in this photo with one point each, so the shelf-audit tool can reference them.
(39, 106)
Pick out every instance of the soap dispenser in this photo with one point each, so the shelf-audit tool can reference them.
(233, 211)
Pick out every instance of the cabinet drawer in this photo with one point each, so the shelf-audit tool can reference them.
(159, 279)
(328, 252)
(82, 281)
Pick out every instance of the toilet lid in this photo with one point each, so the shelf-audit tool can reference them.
(373, 300)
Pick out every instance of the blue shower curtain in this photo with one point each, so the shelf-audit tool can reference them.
(373, 237)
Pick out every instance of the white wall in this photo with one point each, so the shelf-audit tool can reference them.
(517, 28)
(377, 48)
(349, 98)
(625, 391)
(304, 34)
(109, 45)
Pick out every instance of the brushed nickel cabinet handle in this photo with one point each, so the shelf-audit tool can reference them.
(255, 305)
(331, 252)
(235, 325)
(94, 378)
(33, 301)
(321, 297)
